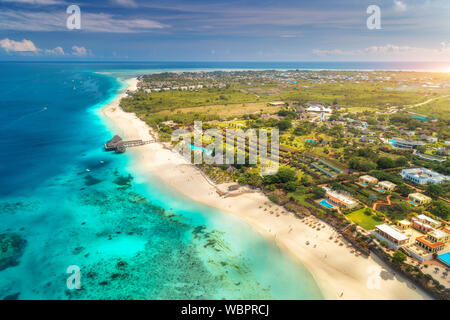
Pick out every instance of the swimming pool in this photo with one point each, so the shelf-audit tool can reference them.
(381, 190)
(326, 204)
(201, 149)
(445, 258)
(419, 117)
(422, 118)
(413, 203)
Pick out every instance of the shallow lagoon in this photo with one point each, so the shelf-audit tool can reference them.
(132, 238)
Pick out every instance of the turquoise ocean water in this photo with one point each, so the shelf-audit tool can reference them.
(131, 238)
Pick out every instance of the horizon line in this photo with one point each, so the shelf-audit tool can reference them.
(230, 61)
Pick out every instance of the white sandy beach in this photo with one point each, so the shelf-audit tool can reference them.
(339, 273)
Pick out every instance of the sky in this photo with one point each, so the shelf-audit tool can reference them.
(210, 30)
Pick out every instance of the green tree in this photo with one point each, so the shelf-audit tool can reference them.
(441, 209)
(403, 207)
(284, 125)
(434, 190)
(362, 164)
(242, 180)
(385, 163)
(401, 162)
(399, 257)
(254, 179)
(337, 186)
(290, 186)
(305, 180)
(271, 179)
(421, 149)
(285, 175)
(404, 190)
(318, 192)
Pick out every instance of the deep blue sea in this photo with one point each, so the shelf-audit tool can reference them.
(64, 202)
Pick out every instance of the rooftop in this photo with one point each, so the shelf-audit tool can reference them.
(424, 225)
(392, 232)
(387, 184)
(420, 196)
(340, 197)
(408, 142)
(428, 243)
(424, 173)
(438, 234)
(427, 218)
(368, 178)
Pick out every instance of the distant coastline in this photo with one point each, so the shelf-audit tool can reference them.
(174, 66)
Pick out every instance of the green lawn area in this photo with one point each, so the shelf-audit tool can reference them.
(301, 197)
(363, 220)
(438, 108)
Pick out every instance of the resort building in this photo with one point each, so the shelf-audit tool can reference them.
(426, 219)
(112, 144)
(430, 157)
(391, 235)
(443, 151)
(404, 224)
(340, 199)
(430, 242)
(421, 226)
(406, 144)
(277, 103)
(446, 229)
(319, 108)
(419, 199)
(423, 176)
(367, 180)
(387, 186)
(438, 236)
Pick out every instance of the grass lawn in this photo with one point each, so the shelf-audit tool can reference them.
(301, 197)
(438, 108)
(363, 220)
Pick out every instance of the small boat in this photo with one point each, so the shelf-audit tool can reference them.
(87, 170)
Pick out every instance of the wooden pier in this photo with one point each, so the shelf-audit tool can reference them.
(120, 146)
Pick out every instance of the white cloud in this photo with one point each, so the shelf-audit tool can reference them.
(58, 51)
(445, 46)
(90, 22)
(25, 47)
(80, 51)
(126, 3)
(18, 46)
(36, 2)
(399, 5)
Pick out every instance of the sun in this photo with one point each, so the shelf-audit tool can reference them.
(445, 69)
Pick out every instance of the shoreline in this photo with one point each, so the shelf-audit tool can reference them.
(338, 273)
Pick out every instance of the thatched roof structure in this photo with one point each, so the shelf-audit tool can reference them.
(120, 147)
(111, 144)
